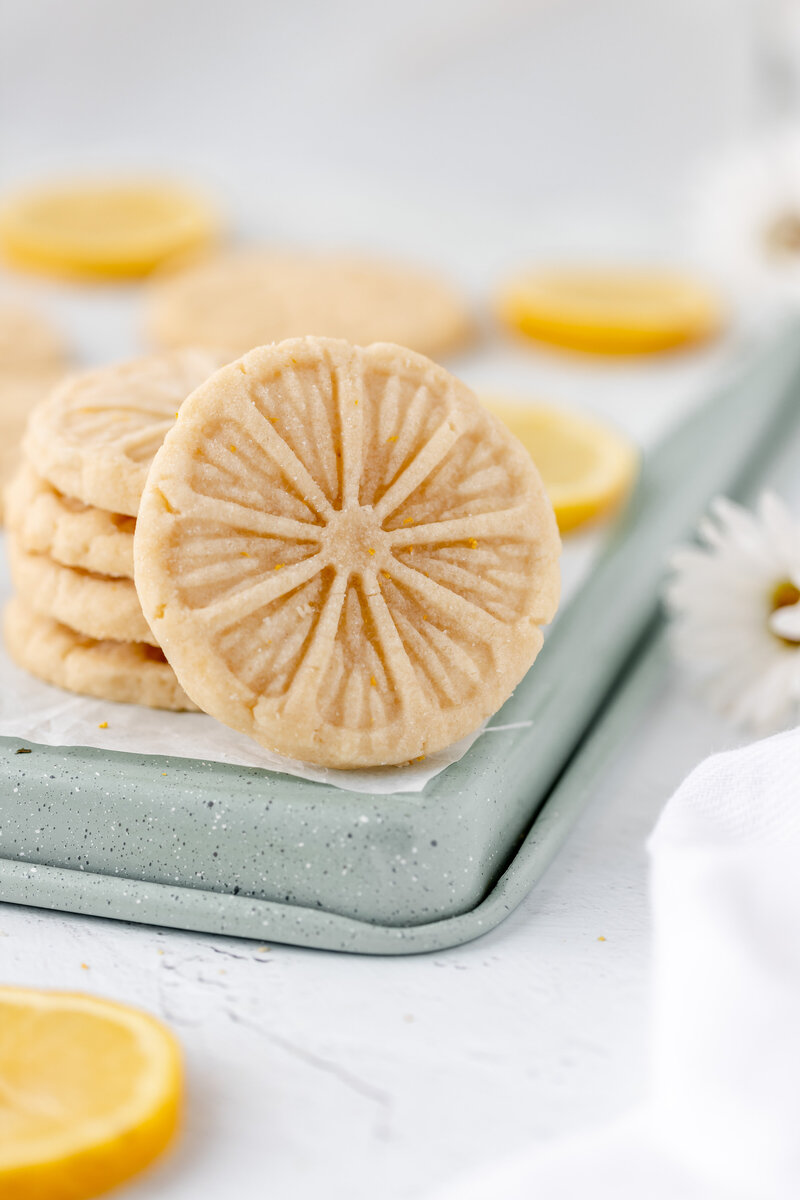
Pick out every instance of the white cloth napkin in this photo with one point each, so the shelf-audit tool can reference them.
(722, 1119)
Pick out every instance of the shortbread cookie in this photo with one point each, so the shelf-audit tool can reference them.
(94, 605)
(74, 534)
(128, 672)
(20, 392)
(343, 554)
(28, 342)
(96, 434)
(248, 298)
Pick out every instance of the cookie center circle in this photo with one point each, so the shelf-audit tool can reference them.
(355, 540)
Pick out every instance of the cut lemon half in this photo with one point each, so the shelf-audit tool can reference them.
(587, 468)
(610, 311)
(103, 229)
(89, 1094)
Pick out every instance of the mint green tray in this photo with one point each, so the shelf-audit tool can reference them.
(256, 854)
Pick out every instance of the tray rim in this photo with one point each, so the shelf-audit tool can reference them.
(223, 914)
(563, 783)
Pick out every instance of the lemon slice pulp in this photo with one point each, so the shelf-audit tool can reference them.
(103, 229)
(586, 467)
(610, 311)
(89, 1094)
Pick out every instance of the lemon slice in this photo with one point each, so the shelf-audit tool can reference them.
(610, 311)
(111, 230)
(586, 467)
(89, 1094)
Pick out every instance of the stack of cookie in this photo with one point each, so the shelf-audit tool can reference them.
(76, 621)
(339, 551)
(32, 359)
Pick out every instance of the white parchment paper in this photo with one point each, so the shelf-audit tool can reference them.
(48, 716)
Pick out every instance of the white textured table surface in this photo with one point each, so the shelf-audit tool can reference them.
(319, 1075)
(314, 1076)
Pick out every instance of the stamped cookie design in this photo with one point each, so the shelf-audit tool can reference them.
(95, 436)
(248, 298)
(343, 554)
(127, 672)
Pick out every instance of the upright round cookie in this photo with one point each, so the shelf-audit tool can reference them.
(248, 298)
(95, 436)
(343, 554)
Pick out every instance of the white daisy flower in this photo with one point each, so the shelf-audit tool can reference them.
(745, 221)
(735, 600)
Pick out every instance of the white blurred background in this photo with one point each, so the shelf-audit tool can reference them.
(470, 131)
(478, 136)
(474, 135)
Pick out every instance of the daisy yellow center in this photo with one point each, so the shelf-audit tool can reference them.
(785, 595)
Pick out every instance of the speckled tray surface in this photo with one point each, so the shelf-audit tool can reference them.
(251, 853)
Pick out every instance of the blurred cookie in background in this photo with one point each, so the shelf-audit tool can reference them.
(247, 298)
(33, 357)
(28, 342)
